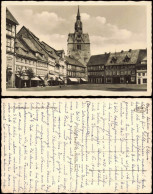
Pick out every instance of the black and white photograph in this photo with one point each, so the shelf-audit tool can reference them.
(76, 48)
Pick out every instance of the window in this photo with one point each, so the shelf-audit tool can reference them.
(132, 79)
(126, 72)
(129, 72)
(143, 74)
(114, 72)
(122, 80)
(139, 74)
(79, 47)
(133, 71)
(122, 72)
(108, 80)
(18, 59)
(144, 81)
(22, 60)
(10, 44)
(10, 29)
(118, 72)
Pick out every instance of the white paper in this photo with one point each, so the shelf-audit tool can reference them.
(76, 145)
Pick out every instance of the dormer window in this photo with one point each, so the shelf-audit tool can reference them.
(126, 59)
(114, 59)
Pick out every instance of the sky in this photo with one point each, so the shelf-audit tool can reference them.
(110, 27)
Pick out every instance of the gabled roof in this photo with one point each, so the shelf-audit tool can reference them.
(33, 43)
(142, 55)
(10, 17)
(30, 44)
(73, 61)
(119, 58)
(98, 59)
(20, 49)
(51, 50)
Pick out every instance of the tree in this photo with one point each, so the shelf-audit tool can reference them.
(30, 74)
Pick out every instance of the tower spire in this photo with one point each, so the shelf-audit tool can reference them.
(78, 14)
(78, 11)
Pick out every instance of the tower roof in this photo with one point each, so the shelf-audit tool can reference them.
(78, 14)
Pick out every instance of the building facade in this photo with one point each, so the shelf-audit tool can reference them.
(32, 43)
(78, 43)
(57, 65)
(96, 68)
(24, 61)
(76, 71)
(141, 70)
(118, 68)
(11, 24)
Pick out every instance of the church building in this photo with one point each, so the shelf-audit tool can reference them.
(78, 43)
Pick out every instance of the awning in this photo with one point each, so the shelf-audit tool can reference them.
(35, 79)
(83, 79)
(73, 79)
(25, 77)
(61, 78)
(52, 77)
(42, 78)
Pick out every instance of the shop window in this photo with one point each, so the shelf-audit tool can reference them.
(132, 79)
(108, 80)
(122, 80)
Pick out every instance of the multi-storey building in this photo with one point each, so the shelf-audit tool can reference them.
(11, 24)
(78, 43)
(96, 68)
(75, 71)
(118, 67)
(57, 68)
(24, 60)
(141, 69)
(50, 66)
(33, 44)
(121, 66)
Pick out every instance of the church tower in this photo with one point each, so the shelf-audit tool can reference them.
(78, 43)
